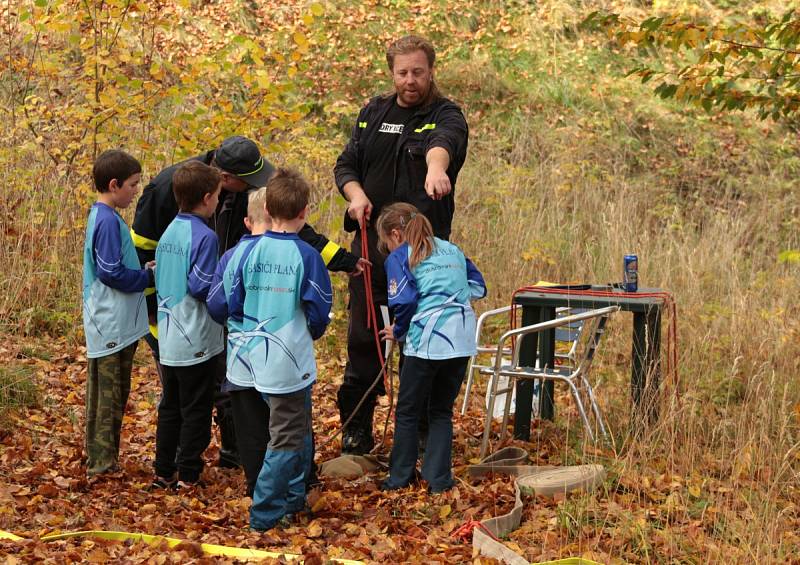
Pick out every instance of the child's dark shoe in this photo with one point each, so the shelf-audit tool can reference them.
(163, 483)
(187, 485)
(228, 459)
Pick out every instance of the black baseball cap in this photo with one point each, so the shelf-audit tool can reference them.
(240, 156)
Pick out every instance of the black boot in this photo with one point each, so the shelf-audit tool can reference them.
(223, 415)
(357, 439)
(228, 451)
(357, 442)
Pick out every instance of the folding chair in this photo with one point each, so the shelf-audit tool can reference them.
(575, 375)
(568, 334)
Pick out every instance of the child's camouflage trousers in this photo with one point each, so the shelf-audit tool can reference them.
(108, 385)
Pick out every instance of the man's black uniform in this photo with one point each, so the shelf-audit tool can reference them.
(386, 154)
(155, 210)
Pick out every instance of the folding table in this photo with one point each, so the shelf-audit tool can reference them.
(645, 351)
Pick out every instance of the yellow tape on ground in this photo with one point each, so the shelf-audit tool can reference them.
(569, 561)
(208, 548)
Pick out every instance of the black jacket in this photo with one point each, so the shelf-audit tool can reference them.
(439, 124)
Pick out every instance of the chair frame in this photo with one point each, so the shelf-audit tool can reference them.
(474, 368)
(573, 376)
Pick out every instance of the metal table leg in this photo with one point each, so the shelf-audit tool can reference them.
(547, 356)
(524, 389)
(541, 345)
(653, 364)
(646, 365)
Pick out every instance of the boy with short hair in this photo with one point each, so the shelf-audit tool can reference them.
(189, 339)
(250, 413)
(114, 312)
(281, 304)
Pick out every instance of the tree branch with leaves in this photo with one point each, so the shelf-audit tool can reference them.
(719, 67)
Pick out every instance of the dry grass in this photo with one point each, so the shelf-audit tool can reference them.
(728, 433)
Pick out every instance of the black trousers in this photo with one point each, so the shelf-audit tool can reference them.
(426, 387)
(251, 422)
(363, 363)
(222, 403)
(184, 419)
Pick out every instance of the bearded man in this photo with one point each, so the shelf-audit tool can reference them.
(406, 146)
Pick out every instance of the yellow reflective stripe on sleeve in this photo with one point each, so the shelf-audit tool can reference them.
(149, 291)
(154, 330)
(362, 125)
(329, 251)
(142, 242)
(423, 128)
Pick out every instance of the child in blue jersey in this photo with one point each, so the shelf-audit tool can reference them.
(250, 414)
(279, 301)
(431, 284)
(189, 339)
(114, 312)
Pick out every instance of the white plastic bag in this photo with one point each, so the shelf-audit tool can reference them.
(500, 401)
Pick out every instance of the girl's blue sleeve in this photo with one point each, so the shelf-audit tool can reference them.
(202, 264)
(403, 295)
(237, 294)
(316, 294)
(111, 271)
(216, 301)
(477, 285)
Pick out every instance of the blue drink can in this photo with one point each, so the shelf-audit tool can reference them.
(630, 273)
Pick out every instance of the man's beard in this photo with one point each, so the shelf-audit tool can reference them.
(413, 97)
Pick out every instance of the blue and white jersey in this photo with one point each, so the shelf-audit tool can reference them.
(431, 303)
(280, 302)
(114, 310)
(225, 279)
(186, 257)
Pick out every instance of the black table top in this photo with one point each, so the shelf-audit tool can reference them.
(625, 300)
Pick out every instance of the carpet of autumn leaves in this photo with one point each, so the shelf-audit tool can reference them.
(44, 488)
(633, 514)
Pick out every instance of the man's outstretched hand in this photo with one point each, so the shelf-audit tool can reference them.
(437, 183)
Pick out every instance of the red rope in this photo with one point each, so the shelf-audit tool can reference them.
(465, 530)
(372, 321)
(669, 303)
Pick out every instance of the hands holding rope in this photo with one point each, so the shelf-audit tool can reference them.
(359, 205)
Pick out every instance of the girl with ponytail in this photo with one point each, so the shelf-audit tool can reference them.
(431, 284)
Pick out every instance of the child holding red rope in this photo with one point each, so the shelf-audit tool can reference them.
(431, 284)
